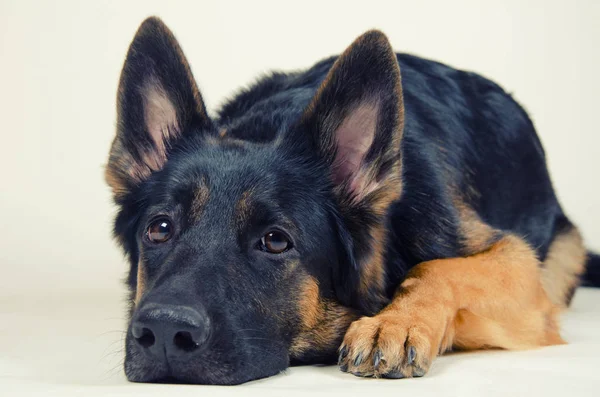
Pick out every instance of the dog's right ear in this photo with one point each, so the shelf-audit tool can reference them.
(157, 103)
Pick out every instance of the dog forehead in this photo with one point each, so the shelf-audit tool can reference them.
(222, 177)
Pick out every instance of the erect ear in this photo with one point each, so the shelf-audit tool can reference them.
(157, 103)
(355, 121)
(357, 116)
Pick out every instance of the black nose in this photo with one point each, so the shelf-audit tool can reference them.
(169, 330)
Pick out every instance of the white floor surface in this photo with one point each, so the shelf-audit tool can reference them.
(57, 346)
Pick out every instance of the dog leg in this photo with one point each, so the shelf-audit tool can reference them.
(491, 299)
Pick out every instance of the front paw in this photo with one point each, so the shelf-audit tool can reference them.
(389, 345)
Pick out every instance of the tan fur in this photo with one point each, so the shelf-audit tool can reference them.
(160, 114)
(115, 181)
(373, 270)
(310, 306)
(161, 120)
(323, 320)
(476, 234)
(123, 170)
(387, 192)
(491, 299)
(141, 282)
(562, 267)
(564, 264)
(201, 195)
(243, 207)
(372, 274)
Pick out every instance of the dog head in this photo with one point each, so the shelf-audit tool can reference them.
(257, 237)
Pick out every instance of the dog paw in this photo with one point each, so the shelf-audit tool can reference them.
(389, 345)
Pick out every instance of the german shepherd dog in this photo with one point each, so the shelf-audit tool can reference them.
(375, 210)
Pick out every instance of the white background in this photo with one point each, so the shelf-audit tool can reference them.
(60, 63)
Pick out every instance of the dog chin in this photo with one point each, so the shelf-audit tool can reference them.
(136, 370)
(155, 375)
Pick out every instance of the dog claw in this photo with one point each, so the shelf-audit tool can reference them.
(343, 354)
(411, 355)
(377, 359)
(358, 359)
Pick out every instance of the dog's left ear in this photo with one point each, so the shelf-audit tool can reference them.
(355, 121)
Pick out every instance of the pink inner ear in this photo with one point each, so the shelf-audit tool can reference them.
(354, 138)
(161, 121)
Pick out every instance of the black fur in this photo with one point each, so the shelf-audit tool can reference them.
(451, 131)
(591, 278)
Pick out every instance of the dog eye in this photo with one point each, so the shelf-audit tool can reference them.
(274, 243)
(160, 230)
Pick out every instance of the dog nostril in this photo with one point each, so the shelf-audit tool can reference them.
(185, 341)
(146, 339)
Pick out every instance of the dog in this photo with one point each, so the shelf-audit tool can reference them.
(375, 210)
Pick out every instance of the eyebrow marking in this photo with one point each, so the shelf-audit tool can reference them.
(201, 195)
(242, 208)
